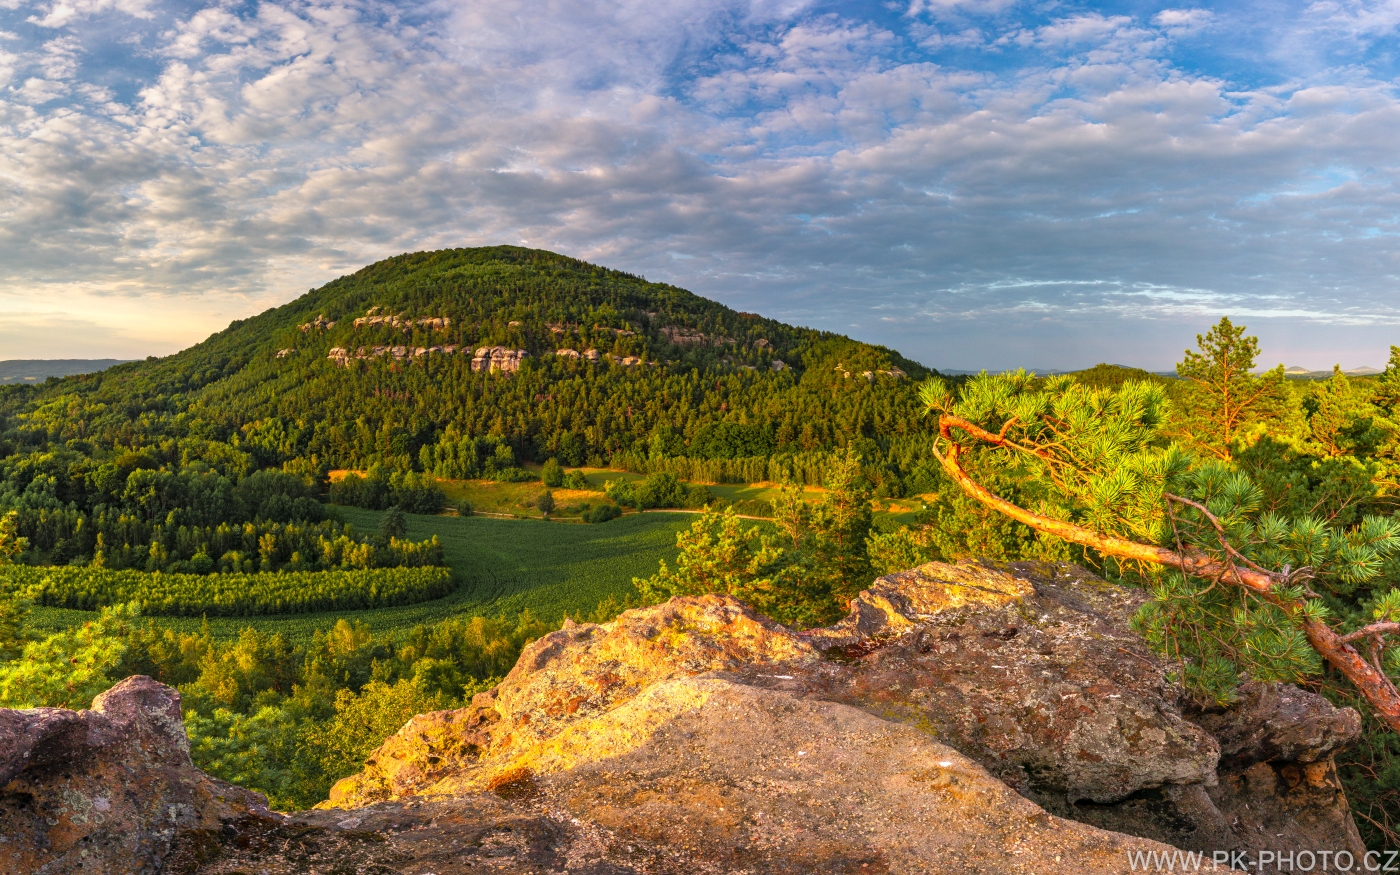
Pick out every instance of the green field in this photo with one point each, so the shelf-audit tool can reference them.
(518, 499)
(503, 567)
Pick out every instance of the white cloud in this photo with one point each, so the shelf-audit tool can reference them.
(1179, 22)
(64, 12)
(982, 7)
(59, 57)
(1370, 19)
(817, 167)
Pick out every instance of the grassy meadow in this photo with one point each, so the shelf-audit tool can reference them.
(503, 567)
(518, 499)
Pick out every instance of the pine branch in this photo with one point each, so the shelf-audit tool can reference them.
(1376, 629)
(1369, 680)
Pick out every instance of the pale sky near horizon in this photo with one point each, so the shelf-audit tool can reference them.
(978, 183)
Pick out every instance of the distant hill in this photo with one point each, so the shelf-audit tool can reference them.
(1303, 373)
(466, 361)
(38, 370)
(1100, 374)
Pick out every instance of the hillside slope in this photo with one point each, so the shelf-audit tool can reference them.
(383, 366)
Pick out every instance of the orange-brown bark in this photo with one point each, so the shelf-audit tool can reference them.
(1372, 683)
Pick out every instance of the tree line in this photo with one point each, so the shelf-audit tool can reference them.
(227, 595)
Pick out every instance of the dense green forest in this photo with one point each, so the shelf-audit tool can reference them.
(201, 483)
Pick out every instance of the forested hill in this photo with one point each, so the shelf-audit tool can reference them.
(378, 367)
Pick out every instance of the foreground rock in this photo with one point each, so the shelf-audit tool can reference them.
(962, 719)
(706, 775)
(110, 790)
(1033, 671)
(1030, 670)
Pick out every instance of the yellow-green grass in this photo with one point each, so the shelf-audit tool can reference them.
(898, 511)
(503, 567)
(516, 499)
(889, 511)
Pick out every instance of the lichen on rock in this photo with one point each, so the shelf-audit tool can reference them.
(110, 790)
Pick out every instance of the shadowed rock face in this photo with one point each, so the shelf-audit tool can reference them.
(962, 719)
(1050, 689)
(111, 790)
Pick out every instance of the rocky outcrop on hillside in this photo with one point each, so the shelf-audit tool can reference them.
(320, 323)
(498, 358)
(343, 357)
(111, 790)
(870, 376)
(963, 718)
(390, 320)
(682, 336)
(591, 355)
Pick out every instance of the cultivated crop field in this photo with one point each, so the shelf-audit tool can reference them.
(503, 567)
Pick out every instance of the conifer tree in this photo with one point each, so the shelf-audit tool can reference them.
(1226, 394)
(393, 525)
(1236, 589)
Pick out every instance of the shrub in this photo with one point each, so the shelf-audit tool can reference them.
(660, 490)
(663, 489)
(552, 474)
(601, 513)
(621, 492)
(576, 480)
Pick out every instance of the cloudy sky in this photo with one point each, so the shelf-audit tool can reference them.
(979, 183)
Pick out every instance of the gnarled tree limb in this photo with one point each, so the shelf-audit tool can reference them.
(1369, 680)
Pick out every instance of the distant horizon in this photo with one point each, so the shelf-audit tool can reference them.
(944, 370)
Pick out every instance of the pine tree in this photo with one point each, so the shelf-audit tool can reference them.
(393, 525)
(1236, 589)
(1226, 394)
(545, 503)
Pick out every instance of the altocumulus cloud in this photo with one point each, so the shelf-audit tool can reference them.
(981, 184)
